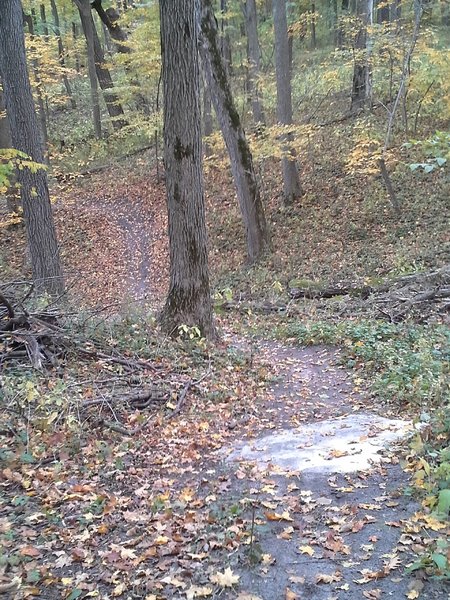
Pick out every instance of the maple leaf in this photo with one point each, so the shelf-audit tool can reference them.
(225, 579)
(307, 550)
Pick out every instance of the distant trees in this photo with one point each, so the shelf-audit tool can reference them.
(189, 300)
(26, 137)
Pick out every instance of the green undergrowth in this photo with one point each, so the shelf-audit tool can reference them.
(406, 363)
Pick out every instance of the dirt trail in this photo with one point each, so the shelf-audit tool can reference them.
(324, 536)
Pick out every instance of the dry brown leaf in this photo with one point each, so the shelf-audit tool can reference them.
(225, 579)
(324, 578)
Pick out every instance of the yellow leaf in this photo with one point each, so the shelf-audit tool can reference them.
(412, 594)
(307, 550)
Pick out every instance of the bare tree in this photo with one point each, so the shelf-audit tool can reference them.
(291, 180)
(26, 137)
(257, 234)
(189, 299)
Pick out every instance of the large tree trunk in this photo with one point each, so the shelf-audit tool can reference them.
(61, 58)
(189, 299)
(254, 59)
(291, 181)
(84, 8)
(25, 134)
(6, 142)
(247, 188)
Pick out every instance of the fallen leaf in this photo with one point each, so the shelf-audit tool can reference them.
(307, 550)
(225, 579)
(324, 578)
(196, 591)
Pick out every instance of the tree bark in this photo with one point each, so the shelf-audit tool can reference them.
(291, 180)
(253, 59)
(61, 58)
(189, 299)
(247, 188)
(41, 234)
(84, 8)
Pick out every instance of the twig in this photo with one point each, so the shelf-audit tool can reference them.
(419, 106)
(184, 391)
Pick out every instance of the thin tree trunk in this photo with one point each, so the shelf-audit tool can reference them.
(110, 18)
(113, 105)
(225, 45)
(44, 20)
(84, 9)
(291, 180)
(254, 59)
(362, 72)
(313, 25)
(207, 119)
(240, 156)
(75, 38)
(61, 58)
(41, 234)
(189, 300)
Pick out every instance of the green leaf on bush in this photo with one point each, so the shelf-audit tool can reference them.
(443, 506)
(440, 561)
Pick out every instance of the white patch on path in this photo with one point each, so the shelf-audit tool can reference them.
(343, 445)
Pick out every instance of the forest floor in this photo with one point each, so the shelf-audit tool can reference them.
(150, 507)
